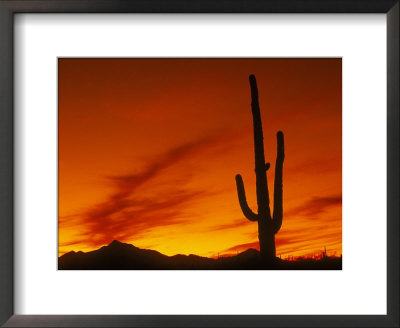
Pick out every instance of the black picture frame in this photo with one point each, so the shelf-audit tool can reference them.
(10, 7)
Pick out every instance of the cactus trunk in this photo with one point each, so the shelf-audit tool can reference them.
(267, 226)
(261, 167)
(266, 237)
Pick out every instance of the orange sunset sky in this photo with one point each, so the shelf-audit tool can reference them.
(149, 150)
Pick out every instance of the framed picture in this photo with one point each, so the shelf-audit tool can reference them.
(163, 164)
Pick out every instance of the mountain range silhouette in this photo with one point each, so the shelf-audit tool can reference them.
(122, 256)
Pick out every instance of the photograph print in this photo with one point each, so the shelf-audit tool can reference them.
(199, 163)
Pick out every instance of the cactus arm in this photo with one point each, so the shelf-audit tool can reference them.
(248, 213)
(278, 188)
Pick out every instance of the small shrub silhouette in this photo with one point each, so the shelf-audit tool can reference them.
(268, 225)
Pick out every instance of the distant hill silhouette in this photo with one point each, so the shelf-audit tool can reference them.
(121, 256)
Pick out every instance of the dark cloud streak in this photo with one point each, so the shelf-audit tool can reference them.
(315, 205)
(125, 213)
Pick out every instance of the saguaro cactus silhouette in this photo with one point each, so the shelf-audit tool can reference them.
(268, 225)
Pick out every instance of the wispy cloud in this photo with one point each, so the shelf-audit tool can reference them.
(126, 213)
(238, 223)
(315, 205)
